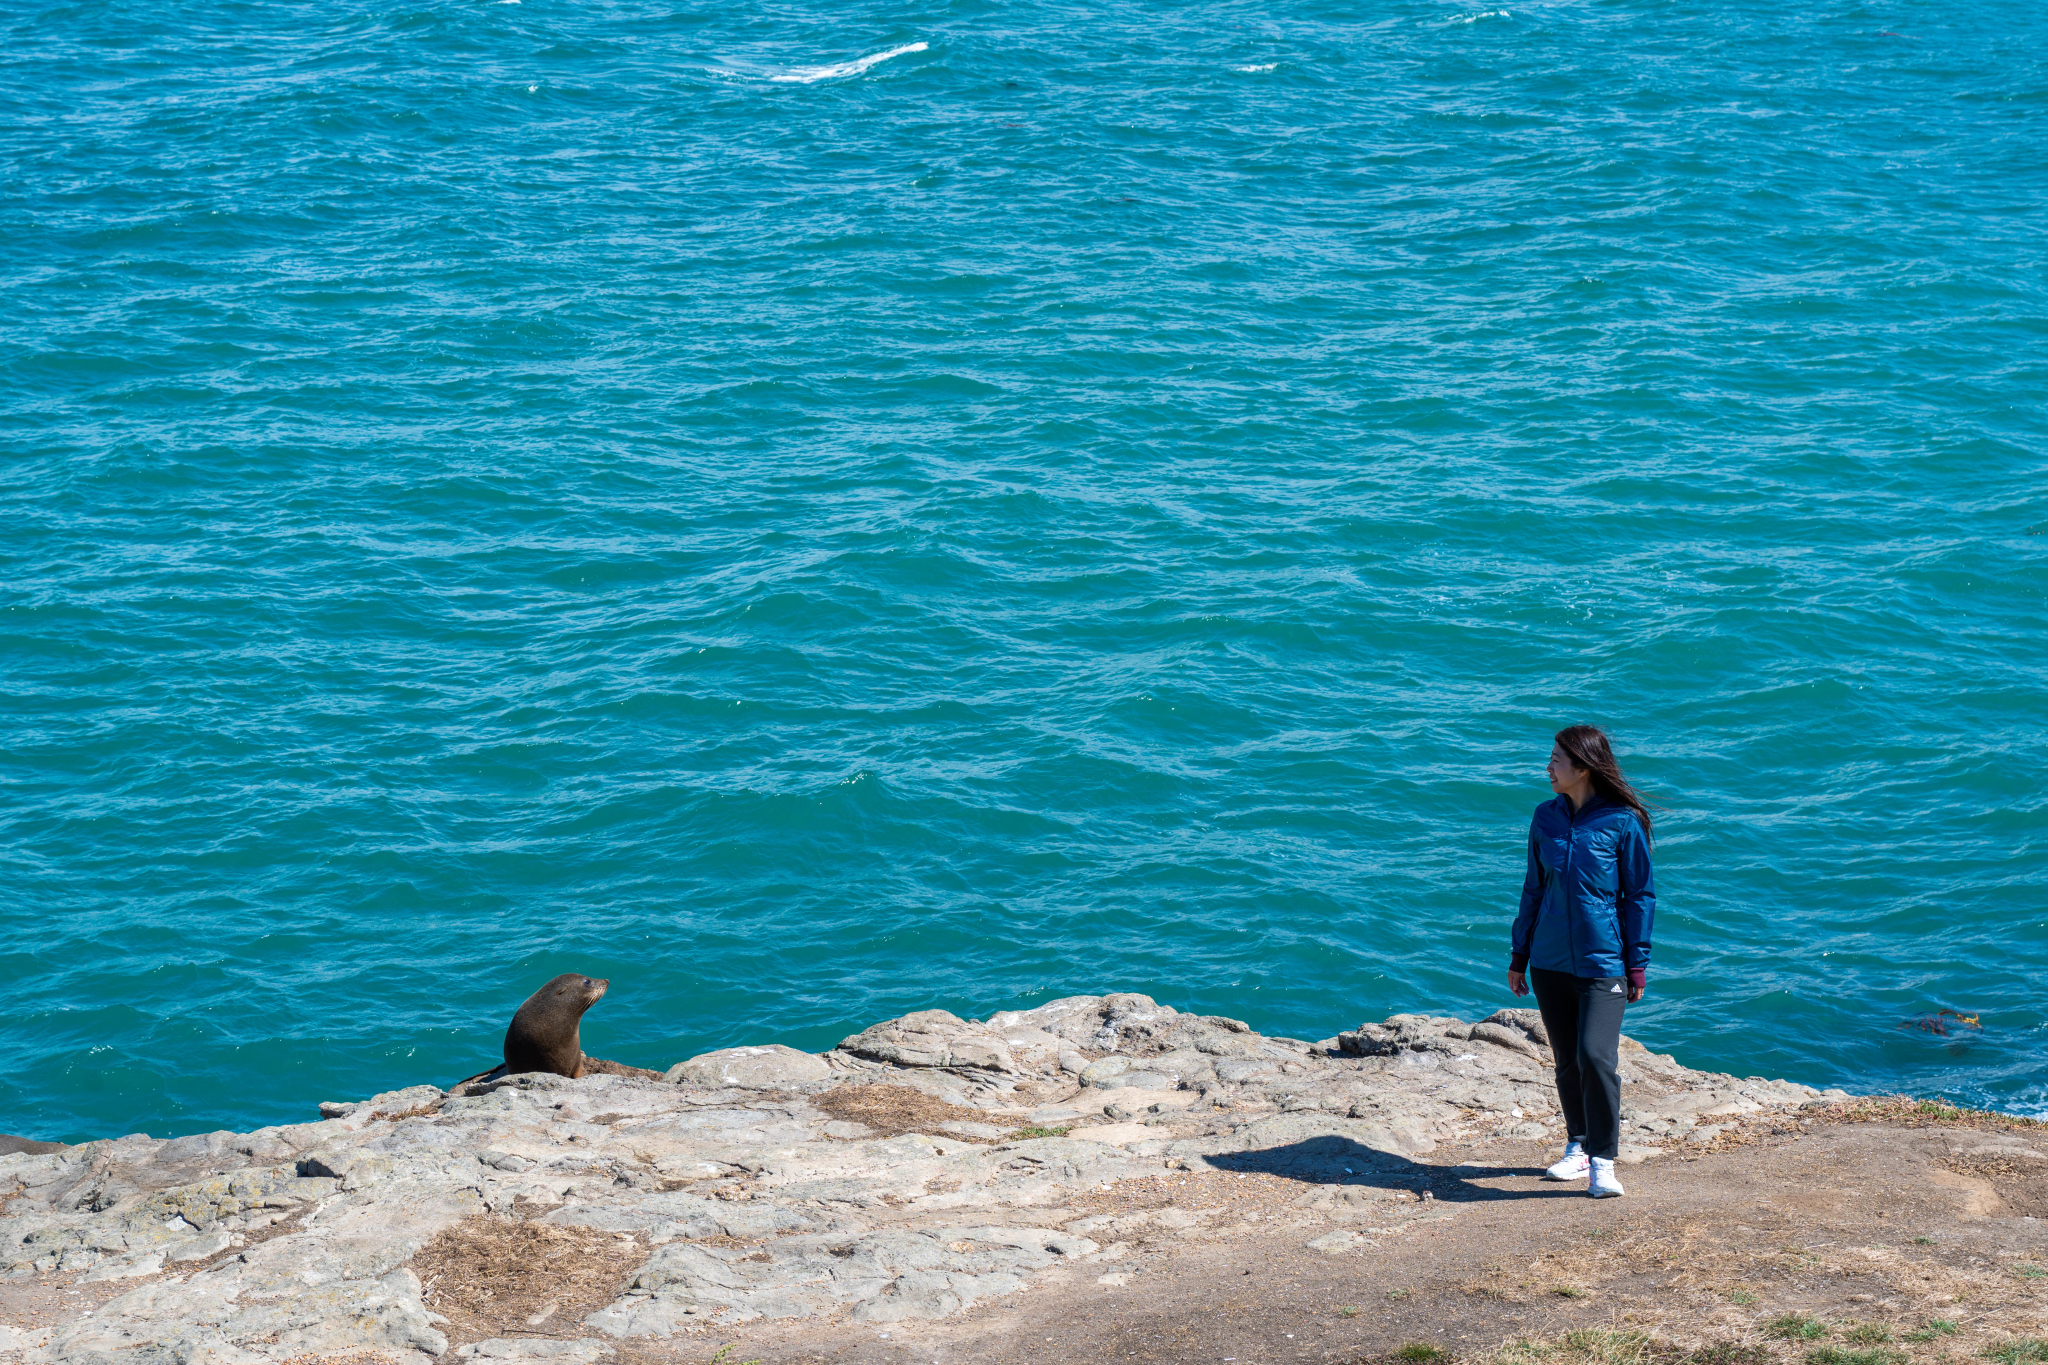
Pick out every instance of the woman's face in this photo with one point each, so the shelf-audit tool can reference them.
(1564, 774)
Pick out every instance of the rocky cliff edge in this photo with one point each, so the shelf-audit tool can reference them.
(925, 1165)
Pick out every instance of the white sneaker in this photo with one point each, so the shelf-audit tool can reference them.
(1573, 1167)
(1600, 1181)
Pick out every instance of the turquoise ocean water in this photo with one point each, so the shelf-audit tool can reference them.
(814, 511)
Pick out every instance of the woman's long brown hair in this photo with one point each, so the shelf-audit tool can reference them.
(1587, 747)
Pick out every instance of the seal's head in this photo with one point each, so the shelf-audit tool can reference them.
(544, 1034)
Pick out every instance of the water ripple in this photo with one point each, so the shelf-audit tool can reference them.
(815, 514)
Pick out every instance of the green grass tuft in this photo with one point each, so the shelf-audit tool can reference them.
(2017, 1351)
(1835, 1355)
(1034, 1132)
(1796, 1327)
(1869, 1334)
(1421, 1353)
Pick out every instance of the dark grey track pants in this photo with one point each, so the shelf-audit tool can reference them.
(1583, 1017)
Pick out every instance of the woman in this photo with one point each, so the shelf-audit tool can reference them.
(1583, 940)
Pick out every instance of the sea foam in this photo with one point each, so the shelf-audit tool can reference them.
(807, 74)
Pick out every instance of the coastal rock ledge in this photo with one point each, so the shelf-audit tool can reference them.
(925, 1165)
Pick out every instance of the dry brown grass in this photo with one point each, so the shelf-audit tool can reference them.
(354, 1355)
(495, 1277)
(1907, 1112)
(1904, 1111)
(1693, 1273)
(893, 1110)
(598, 1066)
(1588, 1346)
(418, 1111)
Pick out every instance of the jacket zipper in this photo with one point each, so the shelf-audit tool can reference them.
(1571, 848)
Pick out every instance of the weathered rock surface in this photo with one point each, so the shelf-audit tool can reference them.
(773, 1067)
(746, 1198)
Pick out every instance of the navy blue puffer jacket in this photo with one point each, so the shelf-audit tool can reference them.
(1588, 898)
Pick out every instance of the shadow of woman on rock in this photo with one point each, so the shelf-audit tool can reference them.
(1346, 1164)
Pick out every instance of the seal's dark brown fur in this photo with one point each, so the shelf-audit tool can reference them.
(545, 1034)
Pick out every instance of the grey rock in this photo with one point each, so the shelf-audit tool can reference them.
(583, 1352)
(1368, 1040)
(1104, 1071)
(964, 1128)
(1239, 1070)
(1529, 1023)
(1184, 1065)
(1103, 1023)
(750, 1200)
(355, 1167)
(932, 1038)
(771, 1067)
(1141, 1080)
(502, 1161)
(883, 1276)
(125, 1268)
(1501, 1036)
(1228, 1044)
(393, 1104)
(1053, 1115)
(200, 1248)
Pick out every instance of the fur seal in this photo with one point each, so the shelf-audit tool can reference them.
(545, 1033)
(12, 1145)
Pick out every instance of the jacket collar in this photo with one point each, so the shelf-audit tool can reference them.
(1595, 803)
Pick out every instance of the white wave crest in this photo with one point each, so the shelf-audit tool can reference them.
(1484, 14)
(1267, 67)
(806, 74)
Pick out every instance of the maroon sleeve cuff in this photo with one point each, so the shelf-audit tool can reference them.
(1635, 978)
(1519, 962)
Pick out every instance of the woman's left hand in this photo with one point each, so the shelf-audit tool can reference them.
(1635, 992)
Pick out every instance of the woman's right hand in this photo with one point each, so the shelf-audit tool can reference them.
(1518, 982)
